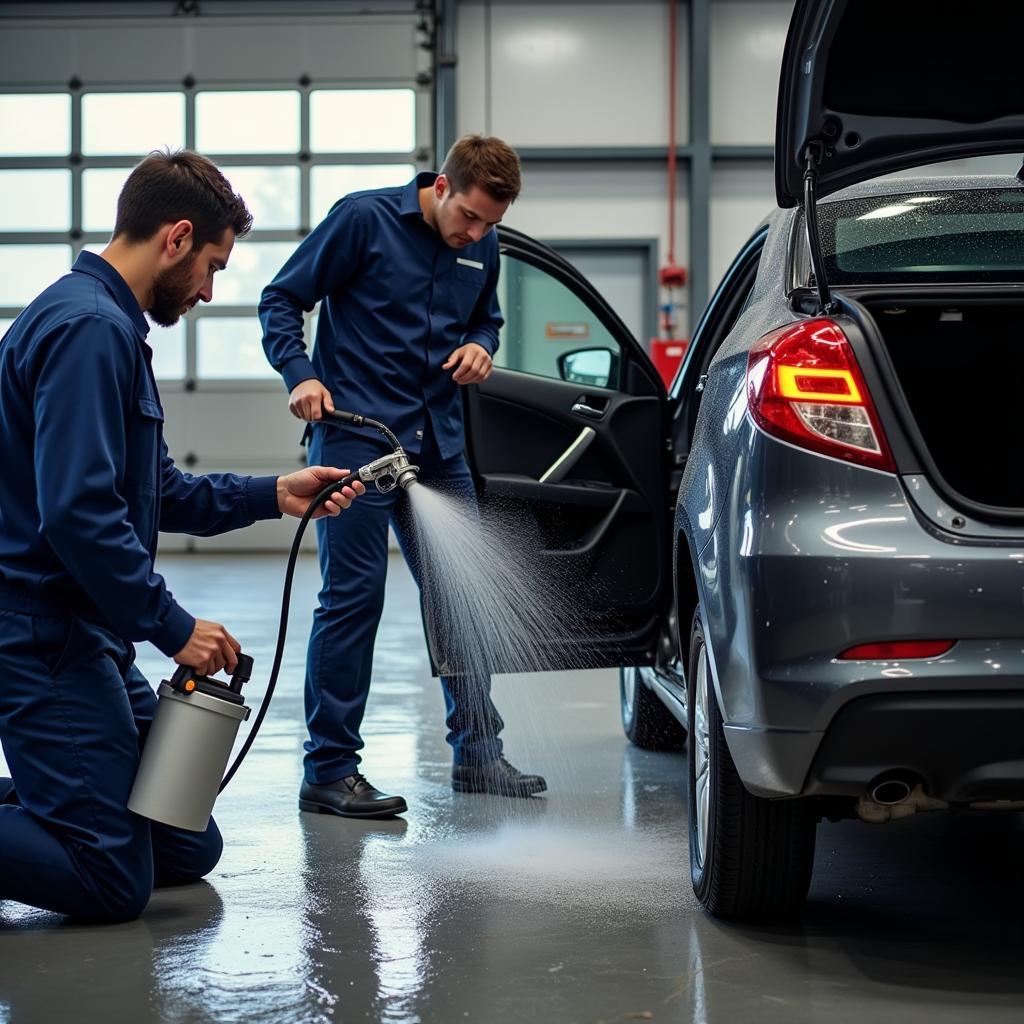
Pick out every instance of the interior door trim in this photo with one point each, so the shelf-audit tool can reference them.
(556, 472)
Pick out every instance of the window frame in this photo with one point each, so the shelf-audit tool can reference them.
(421, 157)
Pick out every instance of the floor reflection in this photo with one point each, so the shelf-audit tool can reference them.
(152, 969)
(365, 953)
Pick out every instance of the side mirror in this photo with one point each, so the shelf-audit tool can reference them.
(593, 366)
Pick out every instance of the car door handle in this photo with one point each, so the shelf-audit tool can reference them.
(587, 406)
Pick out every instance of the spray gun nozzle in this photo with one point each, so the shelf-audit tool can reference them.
(389, 471)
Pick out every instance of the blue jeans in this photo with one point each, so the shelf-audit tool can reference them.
(353, 562)
(74, 714)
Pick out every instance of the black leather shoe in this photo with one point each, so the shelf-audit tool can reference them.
(498, 777)
(350, 797)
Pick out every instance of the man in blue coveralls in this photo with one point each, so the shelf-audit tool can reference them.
(406, 278)
(86, 486)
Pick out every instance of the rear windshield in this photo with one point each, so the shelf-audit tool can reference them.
(970, 234)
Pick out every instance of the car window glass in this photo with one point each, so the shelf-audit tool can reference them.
(544, 320)
(925, 236)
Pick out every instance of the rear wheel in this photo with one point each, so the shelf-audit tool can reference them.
(645, 720)
(749, 857)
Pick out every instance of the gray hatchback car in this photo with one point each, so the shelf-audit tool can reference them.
(812, 548)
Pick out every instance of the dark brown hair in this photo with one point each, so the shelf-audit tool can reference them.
(484, 161)
(167, 187)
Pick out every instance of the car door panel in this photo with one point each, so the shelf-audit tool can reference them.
(580, 473)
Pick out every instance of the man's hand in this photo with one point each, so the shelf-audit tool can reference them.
(295, 491)
(209, 649)
(473, 362)
(306, 400)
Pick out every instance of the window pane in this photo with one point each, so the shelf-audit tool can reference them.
(25, 270)
(35, 200)
(123, 122)
(5, 326)
(35, 125)
(100, 189)
(970, 234)
(247, 122)
(251, 267)
(362, 120)
(544, 320)
(231, 347)
(271, 193)
(168, 344)
(329, 184)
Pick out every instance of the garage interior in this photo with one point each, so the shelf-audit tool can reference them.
(574, 906)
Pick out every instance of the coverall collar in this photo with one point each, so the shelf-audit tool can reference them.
(96, 266)
(411, 193)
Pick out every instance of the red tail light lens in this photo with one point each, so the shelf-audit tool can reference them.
(898, 651)
(804, 386)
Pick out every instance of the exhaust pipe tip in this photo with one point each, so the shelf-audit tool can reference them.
(890, 791)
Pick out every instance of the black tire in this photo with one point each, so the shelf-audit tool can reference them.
(758, 854)
(645, 720)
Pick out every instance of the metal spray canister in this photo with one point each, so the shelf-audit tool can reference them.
(188, 747)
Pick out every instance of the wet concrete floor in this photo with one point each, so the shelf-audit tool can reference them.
(572, 907)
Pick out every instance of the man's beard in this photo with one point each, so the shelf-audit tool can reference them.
(172, 292)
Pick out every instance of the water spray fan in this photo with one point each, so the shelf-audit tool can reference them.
(198, 717)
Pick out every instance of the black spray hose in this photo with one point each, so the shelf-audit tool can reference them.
(335, 485)
(363, 421)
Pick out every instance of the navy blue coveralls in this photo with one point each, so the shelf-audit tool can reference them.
(396, 301)
(86, 485)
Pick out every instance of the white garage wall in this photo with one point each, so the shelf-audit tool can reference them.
(569, 73)
(575, 75)
(747, 39)
(598, 199)
(742, 195)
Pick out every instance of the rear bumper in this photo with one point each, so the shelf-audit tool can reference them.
(772, 762)
(956, 723)
(961, 746)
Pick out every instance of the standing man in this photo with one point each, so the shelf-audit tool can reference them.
(87, 484)
(406, 277)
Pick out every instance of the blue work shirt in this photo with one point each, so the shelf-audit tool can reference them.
(87, 481)
(396, 301)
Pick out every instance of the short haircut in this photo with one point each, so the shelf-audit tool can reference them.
(485, 161)
(167, 187)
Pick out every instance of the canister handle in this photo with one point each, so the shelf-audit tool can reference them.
(186, 678)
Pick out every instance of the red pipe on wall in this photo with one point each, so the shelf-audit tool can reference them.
(671, 275)
(673, 7)
(667, 351)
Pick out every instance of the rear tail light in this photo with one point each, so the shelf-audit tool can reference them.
(898, 651)
(804, 386)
